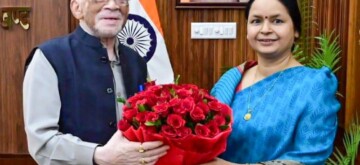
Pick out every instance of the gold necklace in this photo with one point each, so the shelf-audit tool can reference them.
(248, 115)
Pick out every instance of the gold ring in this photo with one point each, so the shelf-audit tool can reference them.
(142, 161)
(141, 149)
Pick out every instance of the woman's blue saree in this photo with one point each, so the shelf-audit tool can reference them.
(295, 120)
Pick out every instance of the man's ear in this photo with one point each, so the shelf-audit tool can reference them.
(76, 9)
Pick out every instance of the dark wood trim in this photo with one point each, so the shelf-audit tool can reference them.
(9, 155)
(16, 159)
(209, 5)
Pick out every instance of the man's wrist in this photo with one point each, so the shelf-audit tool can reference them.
(97, 158)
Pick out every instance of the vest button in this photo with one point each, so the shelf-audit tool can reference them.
(109, 90)
(103, 59)
(112, 124)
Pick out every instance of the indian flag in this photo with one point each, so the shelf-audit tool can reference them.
(143, 33)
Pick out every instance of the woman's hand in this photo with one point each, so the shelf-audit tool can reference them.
(218, 161)
(119, 150)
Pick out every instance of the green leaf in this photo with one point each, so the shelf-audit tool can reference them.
(210, 116)
(328, 53)
(142, 108)
(351, 143)
(121, 100)
(156, 123)
(172, 92)
(223, 127)
(227, 119)
(150, 123)
(190, 124)
(135, 123)
(177, 80)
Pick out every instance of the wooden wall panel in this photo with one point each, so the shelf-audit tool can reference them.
(16, 159)
(47, 20)
(333, 15)
(353, 69)
(353, 63)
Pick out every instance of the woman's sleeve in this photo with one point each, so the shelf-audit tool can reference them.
(317, 125)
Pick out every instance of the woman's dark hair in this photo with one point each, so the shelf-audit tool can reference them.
(292, 8)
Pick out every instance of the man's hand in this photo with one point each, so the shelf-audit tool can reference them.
(119, 150)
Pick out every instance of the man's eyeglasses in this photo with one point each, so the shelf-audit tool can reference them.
(118, 2)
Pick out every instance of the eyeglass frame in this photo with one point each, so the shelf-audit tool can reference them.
(120, 3)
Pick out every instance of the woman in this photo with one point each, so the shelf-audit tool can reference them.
(283, 111)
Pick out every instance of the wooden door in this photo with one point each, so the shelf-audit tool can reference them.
(47, 19)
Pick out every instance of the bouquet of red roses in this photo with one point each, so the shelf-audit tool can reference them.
(194, 124)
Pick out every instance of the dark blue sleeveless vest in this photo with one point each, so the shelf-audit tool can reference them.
(86, 83)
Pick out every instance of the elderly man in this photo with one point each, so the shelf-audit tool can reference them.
(70, 90)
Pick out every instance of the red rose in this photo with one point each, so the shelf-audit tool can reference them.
(219, 120)
(151, 99)
(151, 116)
(186, 105)
(123, 125)
(190, 87)
(183, 93)
(175, 121)
(129, 114)
(162, 100)
(208, 97)
(183, 132)
(204, 107)
(150, 129)
(168, 131)
(154, 88)
(226, 110)
(215, 105)
(203, 92)
(214, 128)
(127, 108)
(197, 114)
(149, 84)
(132, 100)
(197, 97)
(141, 117)
(161, 109)
(179, 110)
(170, 86)
(166, 94)
(174, 102)
(202, 130)
(141, 102)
